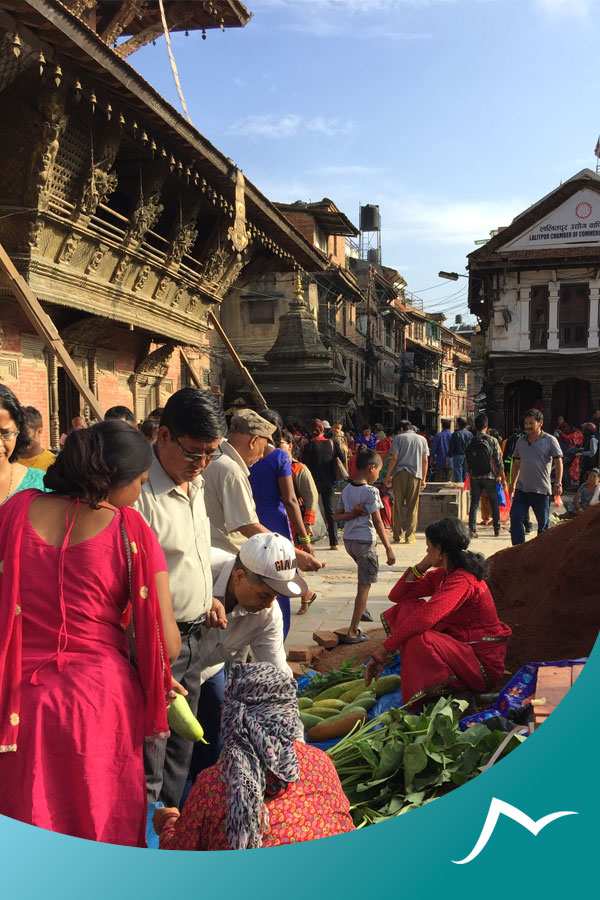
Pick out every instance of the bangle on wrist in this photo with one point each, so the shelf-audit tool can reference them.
(305, 539)
(416, 572)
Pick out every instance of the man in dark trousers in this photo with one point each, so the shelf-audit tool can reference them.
(459, 440)
(485, 467)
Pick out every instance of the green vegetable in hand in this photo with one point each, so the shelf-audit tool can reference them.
(183, 722)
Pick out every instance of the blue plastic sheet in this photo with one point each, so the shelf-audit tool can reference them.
(520, 686)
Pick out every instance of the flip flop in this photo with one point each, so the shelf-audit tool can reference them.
(360, 637)
(366, 616)
(304, 604)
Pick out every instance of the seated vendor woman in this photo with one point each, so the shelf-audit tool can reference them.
(444, 623)
(269, 787)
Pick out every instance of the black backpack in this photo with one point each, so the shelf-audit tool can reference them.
(479, 456)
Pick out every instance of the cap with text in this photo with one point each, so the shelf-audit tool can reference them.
(246, 421)
(273, 558)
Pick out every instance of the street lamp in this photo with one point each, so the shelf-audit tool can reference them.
(451, 276)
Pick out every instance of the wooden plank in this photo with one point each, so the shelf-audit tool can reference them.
(575, 673)
(46, 329)
(191, 371)
(258, 397)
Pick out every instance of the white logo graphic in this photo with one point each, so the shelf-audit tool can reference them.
(498, 808)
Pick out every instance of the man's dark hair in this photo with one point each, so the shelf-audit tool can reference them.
(120, 412)
(193, 413)
(460, 422)
(32, 418)
(366, 458)
(9, 402)
(149, 428)
(157, 413)
(536, 414)
(405, 425)
(480, 421)
(446, 423)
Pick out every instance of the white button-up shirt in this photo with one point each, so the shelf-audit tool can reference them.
(183, 531)
(262, 630)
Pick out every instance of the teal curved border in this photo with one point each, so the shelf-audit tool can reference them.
(412, 855)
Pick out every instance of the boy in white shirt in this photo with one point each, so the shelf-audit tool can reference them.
(358, 508)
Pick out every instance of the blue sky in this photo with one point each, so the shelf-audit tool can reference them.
(452, 115)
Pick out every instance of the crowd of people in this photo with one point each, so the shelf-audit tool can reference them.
(145, 560)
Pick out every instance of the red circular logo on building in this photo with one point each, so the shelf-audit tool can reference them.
(583, 210)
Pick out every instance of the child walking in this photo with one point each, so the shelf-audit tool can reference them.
(359, 509)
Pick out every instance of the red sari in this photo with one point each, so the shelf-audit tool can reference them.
(79, 710)
(453, 641)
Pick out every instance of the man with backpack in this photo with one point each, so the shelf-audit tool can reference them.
(485, 467)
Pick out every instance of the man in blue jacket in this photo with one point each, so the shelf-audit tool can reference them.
(458, 445)
(439, 452)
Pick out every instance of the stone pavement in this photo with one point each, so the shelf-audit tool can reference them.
(335, 585)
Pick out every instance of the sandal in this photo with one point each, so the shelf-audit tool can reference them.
(366, 616)
(360, 637)
(305, 603)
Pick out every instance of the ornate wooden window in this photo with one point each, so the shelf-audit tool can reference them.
(573, 315)
(538, 317)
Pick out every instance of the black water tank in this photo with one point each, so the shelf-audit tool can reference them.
(369, 218)
(374, 256)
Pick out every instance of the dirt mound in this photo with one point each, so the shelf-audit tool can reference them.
(548, 591)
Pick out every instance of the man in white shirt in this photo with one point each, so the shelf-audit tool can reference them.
(172, 503)
(407, 473)
(248, 585)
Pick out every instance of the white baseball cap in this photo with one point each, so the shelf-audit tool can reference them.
(273, 558)
(326, 424)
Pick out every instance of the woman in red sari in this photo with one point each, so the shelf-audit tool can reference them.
(444, 623)
(73, 709)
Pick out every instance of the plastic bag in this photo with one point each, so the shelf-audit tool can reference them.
(501, 494)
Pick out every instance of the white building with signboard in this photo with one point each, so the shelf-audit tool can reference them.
(535, 287)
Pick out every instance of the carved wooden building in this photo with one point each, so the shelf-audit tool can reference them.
(124, 220)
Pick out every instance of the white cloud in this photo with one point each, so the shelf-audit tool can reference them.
(559, 9)
(450, 222)
(274, 127)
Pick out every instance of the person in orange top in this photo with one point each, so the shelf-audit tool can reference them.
(269, 787)
(444, 622)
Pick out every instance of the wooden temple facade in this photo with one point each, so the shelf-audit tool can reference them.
(127, 224)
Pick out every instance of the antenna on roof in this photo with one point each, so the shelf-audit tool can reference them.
(597, 155)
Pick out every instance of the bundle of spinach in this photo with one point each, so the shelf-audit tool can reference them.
(398, 761)
(347, 672)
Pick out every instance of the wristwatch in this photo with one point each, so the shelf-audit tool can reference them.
(557, 484)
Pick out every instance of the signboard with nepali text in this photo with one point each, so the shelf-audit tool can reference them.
(574, 223)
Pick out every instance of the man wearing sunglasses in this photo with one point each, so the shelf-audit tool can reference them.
(172, 503)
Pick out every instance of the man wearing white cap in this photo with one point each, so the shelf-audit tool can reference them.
(248, 585)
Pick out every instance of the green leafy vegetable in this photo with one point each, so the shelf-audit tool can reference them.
(399, 761)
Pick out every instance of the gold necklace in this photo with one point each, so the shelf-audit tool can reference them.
(10, 484)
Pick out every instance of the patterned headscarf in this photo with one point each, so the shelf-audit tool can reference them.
(259, 724)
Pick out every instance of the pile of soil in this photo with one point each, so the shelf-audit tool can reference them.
(548, 589)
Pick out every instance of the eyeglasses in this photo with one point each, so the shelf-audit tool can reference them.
(7, 436)
(194, 457)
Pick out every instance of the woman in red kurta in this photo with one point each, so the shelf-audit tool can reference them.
(73, 709)
(444, 623)
(269, 787)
